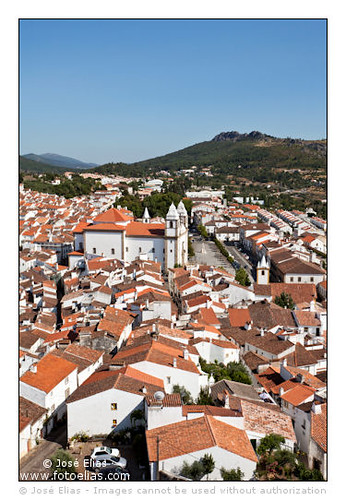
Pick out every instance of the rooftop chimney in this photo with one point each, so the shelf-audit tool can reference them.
(186, 354)
(227, 400)
(174, 362)
(316, 408)
(33, 368)
(144, 389)
(281, 391)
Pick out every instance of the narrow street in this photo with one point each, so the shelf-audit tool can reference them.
(33, 461)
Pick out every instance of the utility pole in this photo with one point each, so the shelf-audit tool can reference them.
(158, 458)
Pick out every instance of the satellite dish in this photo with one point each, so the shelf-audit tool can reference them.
(159, 395)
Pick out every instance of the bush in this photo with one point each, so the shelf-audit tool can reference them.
(62, 462)
(184, 393)
(232, 474)
(81, 437)
(242, 277)
(198, 468)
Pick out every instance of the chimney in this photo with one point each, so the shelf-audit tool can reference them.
(227, 400)
(284, 362)
(316, 409)
(174, 362)
(33, 368)
(186, 354)
(281, 391)
(262, 332)
(144, 389)
(247, 325)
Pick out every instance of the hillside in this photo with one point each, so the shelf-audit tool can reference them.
(227, 150)
(32, 166)
(59, 161)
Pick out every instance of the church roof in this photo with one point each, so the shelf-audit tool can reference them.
(113, 215)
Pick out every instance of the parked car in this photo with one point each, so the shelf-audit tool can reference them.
(104, 452)
(108, 464)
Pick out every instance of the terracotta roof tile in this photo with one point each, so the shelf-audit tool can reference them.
(238, 317)
(51, 370)
(189, 436)
(319, 427)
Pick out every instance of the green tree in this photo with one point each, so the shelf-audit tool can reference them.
(204, 398)
(62, 462)
(184, 394)
(269, 443)
(284, 300)
(202, 230)
(208, 464)
(194, 471)
(242, 277)
(198, 468)
(232, 474)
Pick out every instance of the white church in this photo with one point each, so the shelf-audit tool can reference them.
(116, 234)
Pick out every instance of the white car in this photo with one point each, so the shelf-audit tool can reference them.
(103, 456)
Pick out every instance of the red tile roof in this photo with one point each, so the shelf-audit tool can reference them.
(319, 427)
(51, 370)
(113, 215)
(238, 317)
(298, 394)
(189, 436)
(142, 229)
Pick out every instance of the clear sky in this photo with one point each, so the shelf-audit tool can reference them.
(127, 90)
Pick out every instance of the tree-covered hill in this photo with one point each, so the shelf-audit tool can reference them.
(229, 150)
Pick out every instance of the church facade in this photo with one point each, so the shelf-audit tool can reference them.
(116, 234)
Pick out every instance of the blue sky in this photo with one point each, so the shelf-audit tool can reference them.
(127, 90)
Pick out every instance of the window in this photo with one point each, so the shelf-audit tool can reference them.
(164, 250)
(94, 250)
(171, 224)
(114, 423)
(67, 393)
(168, 380)
(153, 250)
(113, 251)
(317, 331)
(291, 279)
(114, 406)
(66, 380)
(140, 249)
(171, 250)
(263, 273)
(127, 249)
(299, 279)
(311, 279)
(303, 424)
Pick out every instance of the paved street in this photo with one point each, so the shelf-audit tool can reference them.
(33, 461)
(240, 258)
(208, 254)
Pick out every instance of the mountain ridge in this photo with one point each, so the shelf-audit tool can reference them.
(57, 160)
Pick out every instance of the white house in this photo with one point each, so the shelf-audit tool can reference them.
(164, 359)
(112, 394)
(171, 445)
(223, 351)
(48, 384)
